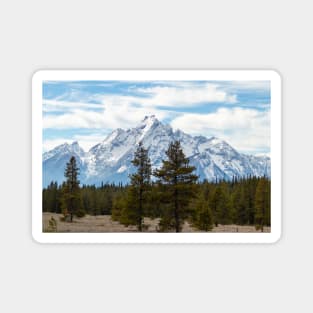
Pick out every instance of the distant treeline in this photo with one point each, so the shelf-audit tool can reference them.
(239, 201)
(94, 200)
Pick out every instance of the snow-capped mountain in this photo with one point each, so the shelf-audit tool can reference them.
(54, 162)
(110, 160)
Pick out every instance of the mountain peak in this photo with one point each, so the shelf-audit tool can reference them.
(149, 117)
(65, 148)
(76, 148)
(146, 124)
(214, 140)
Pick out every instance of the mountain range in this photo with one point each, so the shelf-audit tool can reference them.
(110, 160)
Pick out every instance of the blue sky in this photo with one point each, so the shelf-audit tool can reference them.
(87, 111)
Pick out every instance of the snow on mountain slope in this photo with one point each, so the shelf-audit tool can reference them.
(54, 162)
(65, 148)
(110, 160)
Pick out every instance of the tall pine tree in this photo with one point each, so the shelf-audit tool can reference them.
(71, 196)
(262, 204)
(177, 183)
(138, 192)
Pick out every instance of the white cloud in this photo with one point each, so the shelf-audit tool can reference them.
(257, 85)
(170, 96)
(59, 105)
(125, 111)
(74, 119)
(114, 115)
(247, 130)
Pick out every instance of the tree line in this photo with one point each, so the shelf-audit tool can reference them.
(175, 195)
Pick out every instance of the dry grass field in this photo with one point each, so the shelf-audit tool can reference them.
(104, 224)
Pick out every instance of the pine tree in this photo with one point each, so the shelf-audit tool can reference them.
(262, 204)
(51, 198)
(221, 205)
(177, 184)
(249, 185)
(71, 196)
(238, 204)
(154, 203)
(119, 204)
(138, 192)
(203, 219)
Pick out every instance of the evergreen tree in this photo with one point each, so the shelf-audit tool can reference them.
(118, 205)
(154, 203)
(51, 198)
(262, 204)
(71, 196)
(221, 205)
(249, 186)
(177, 184)
(206, 189)
(138, 192)
(238, 203)
(203, 219)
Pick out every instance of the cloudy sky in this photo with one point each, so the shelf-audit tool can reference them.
(86, 111)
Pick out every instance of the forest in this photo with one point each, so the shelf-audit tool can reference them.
(172, 193)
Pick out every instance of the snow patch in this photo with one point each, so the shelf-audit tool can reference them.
(122, 169)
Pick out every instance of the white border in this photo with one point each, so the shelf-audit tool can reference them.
(177, 75)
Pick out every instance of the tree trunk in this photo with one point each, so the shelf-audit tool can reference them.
(177, 228)
(140, 210)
